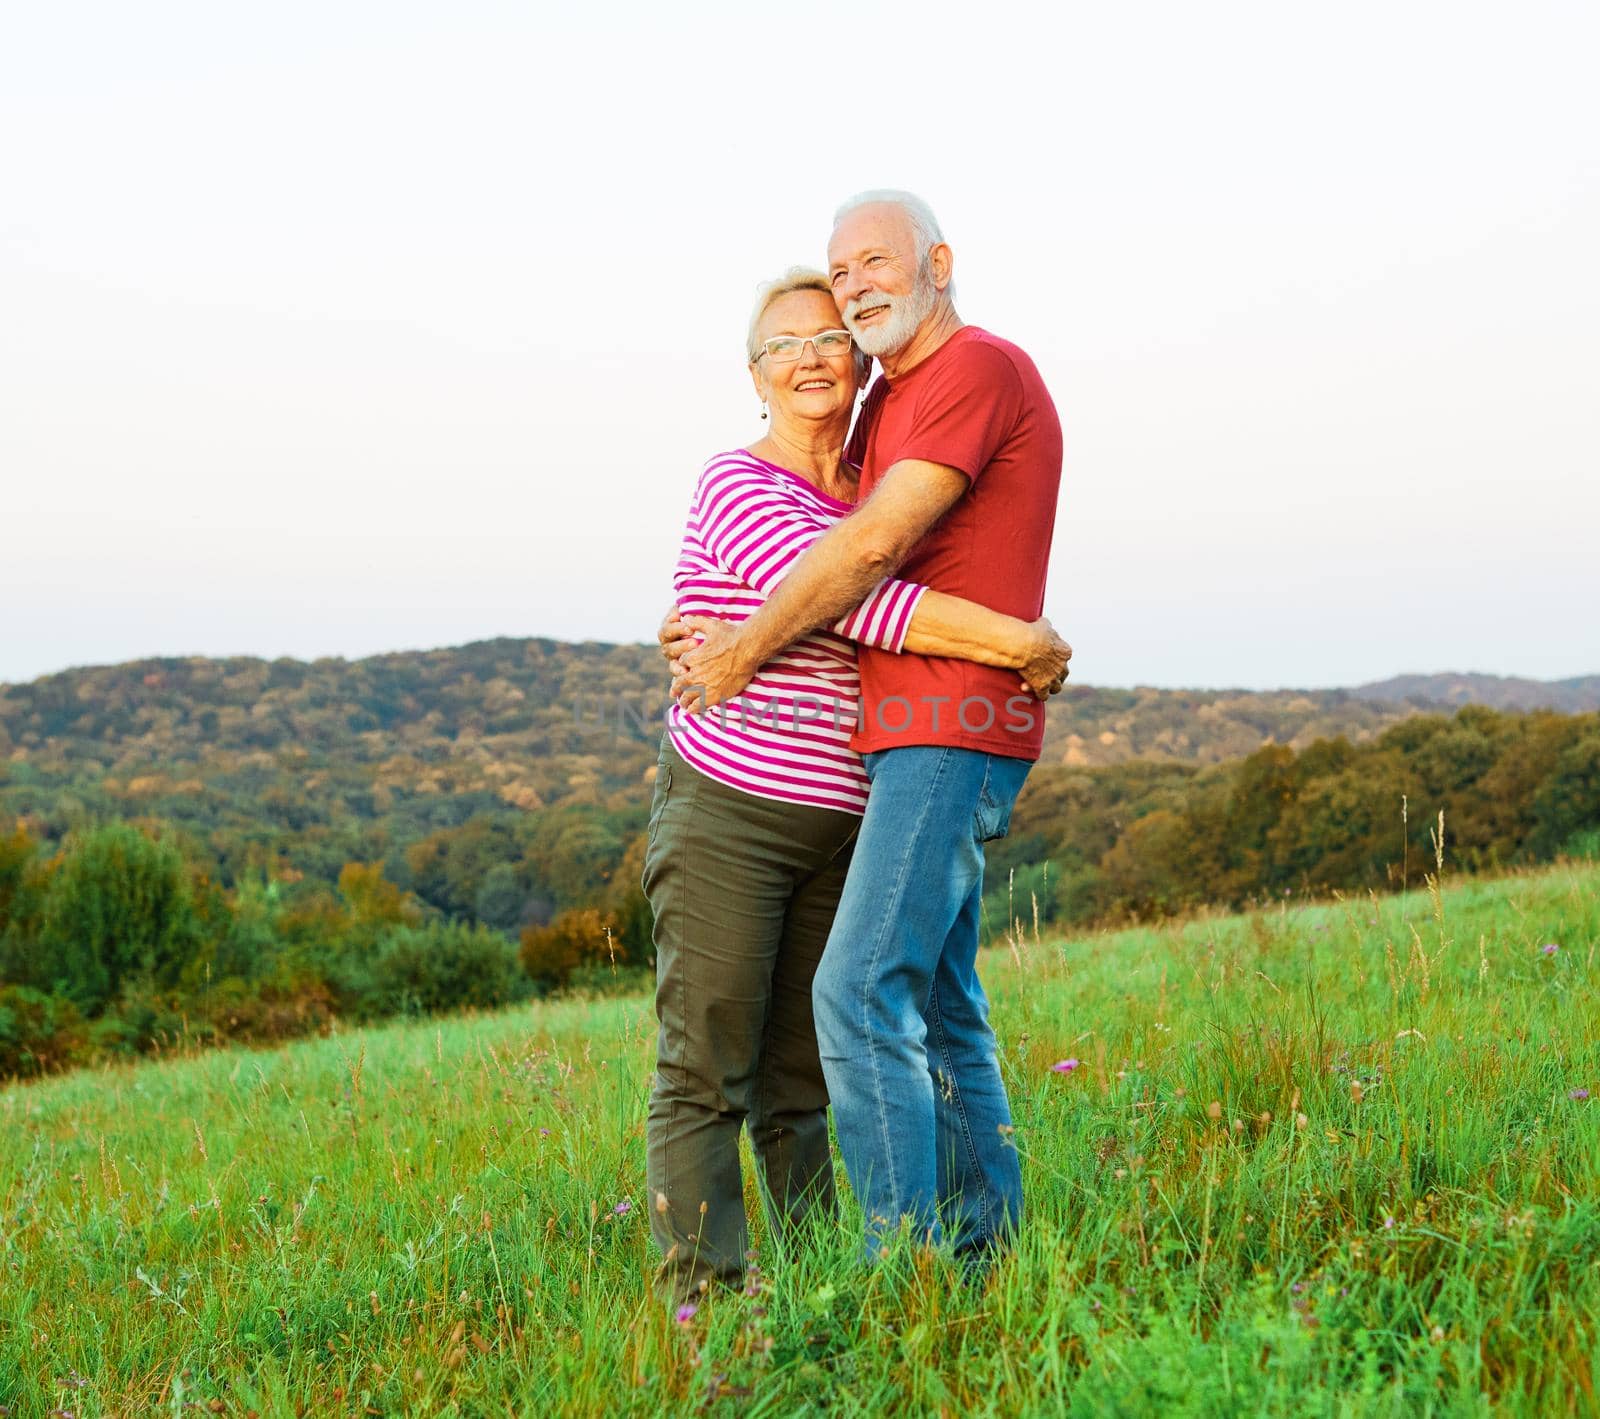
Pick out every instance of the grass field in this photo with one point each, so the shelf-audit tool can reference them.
(1328, 1159)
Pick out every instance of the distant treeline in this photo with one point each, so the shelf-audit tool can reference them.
(1143, 839)
(124, 936)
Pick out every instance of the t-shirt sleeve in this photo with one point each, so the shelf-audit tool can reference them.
(883, 619)
(967, 410)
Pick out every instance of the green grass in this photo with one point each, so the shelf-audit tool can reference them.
(422, 1219)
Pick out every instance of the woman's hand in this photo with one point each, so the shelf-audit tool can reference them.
(674, 637)
(713, 669)
(1044, 671)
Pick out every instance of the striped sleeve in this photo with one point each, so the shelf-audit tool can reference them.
(753, 527)
(749, 524)
(883, 619)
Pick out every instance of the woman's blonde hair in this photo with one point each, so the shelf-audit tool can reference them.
(796, 278)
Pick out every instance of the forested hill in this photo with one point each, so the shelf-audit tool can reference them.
(357, 759)
(359, 837)
(539, 723)
(1507, 692)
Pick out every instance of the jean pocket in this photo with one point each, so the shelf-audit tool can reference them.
(1002, 781)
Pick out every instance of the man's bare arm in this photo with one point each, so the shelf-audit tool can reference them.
(834, 575)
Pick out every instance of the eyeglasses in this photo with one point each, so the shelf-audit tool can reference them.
(782, 349)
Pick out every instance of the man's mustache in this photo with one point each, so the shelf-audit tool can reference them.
(862, 305)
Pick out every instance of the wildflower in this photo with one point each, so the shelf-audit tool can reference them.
(1064, 1066)
(686, 1313)
(1214, 1109)
(1549, 948)
(1388, 1224)
(544, 1133)
(1579, 1094)
(622, 1208)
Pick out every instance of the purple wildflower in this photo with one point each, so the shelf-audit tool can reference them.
(686, 1313)
(1578, 1094)
(1388, 1224)
(1064, 1066)
(544, 1133)
(1549, 948)
(622, 1208)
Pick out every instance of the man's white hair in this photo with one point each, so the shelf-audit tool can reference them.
(923, 223)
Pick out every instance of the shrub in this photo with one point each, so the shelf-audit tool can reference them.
(279, 1009)
(248, 947)
(550, 954)
(23, 879)
(142, 1022)
(38, 1032)
(18, 880)
(442, 966)
(1568, 802)
(119, 911)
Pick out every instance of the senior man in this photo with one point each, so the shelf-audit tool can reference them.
(960, 451)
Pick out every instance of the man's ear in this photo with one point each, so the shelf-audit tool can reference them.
(942, 264)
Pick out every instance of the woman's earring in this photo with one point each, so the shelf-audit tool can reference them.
(763, 408)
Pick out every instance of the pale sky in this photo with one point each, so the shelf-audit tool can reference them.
(334, 328)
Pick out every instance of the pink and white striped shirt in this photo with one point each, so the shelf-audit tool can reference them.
(787, 735)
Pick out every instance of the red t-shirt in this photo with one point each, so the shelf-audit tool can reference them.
(976, 404)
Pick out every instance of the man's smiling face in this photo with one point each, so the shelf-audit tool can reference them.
(881, 282)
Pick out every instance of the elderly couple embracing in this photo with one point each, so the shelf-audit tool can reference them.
(859, 661)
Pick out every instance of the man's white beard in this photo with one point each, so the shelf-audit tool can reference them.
(894, 331)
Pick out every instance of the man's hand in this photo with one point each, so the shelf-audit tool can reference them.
(714, 668)
(1045, 671)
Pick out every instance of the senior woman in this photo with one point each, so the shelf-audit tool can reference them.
(756, 805)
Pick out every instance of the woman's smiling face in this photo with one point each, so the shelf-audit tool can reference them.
(814, 386)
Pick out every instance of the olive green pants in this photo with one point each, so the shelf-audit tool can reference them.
(744, 890)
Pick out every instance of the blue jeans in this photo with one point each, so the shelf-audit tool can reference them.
(902, 1021)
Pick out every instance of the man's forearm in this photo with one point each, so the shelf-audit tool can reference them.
(958, 629)
(831, 578)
